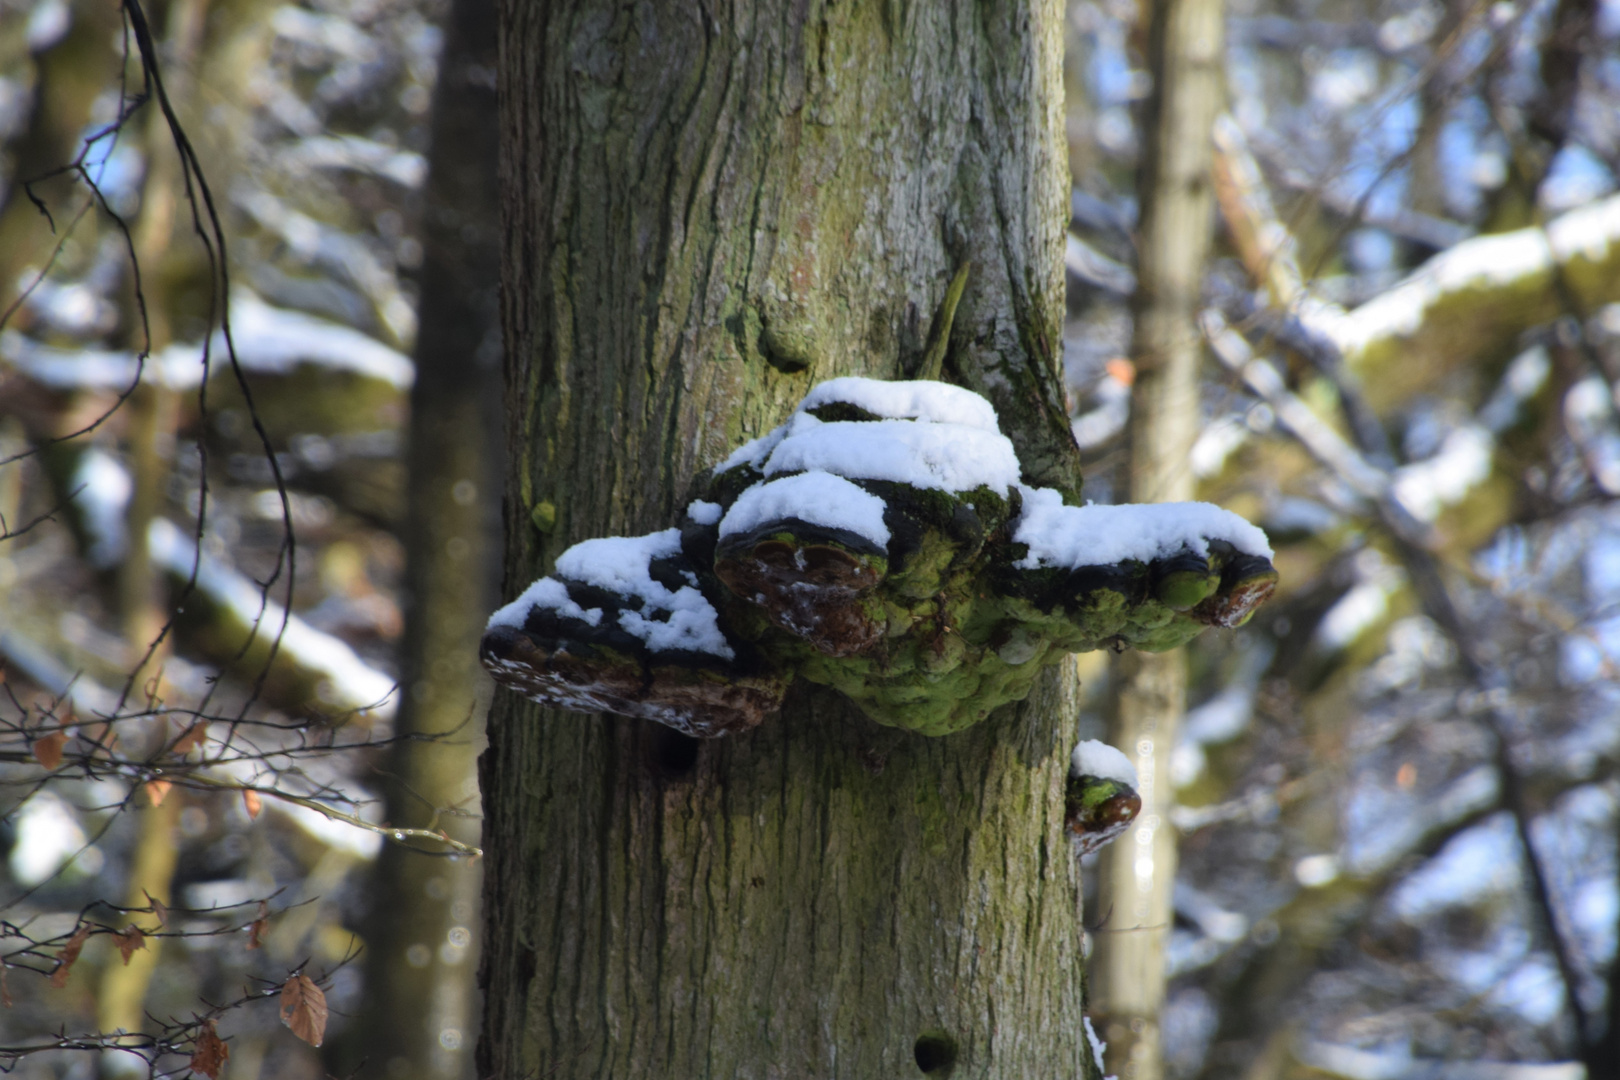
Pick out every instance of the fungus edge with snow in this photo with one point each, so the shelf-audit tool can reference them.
(1099, 798)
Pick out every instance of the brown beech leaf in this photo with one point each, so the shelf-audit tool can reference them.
(303, 1009)
(209, 1053)
(128, 940)
(48, 749)
(101, 735)
(158, 790)
(69, 954)
(256, 931)
(159, 908)
(191, 738)
(252, 803)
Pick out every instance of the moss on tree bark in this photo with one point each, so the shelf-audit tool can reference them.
(707, 211)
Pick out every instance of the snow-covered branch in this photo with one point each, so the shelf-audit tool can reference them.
(1477, 297)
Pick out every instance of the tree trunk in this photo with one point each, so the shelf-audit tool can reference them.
(1177, 198)
(707, 213)
(152, 417)
(420, 1003)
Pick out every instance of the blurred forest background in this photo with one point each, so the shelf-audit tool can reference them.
(1393, 797)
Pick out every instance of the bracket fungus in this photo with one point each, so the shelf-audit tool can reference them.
(880, 542)
(1099, 797)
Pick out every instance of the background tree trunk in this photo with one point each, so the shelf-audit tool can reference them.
(706, 213)
(1176, 192)
(421, 1004)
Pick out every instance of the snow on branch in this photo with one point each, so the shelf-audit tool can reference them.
(269, 340)
(881, 542)
(1480, 294)
(347, 682)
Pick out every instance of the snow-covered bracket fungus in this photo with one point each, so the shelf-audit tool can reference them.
(880, 542)
(1099, 797)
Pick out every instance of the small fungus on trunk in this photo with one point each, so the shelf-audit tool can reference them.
(1099, 798)
(881, 542)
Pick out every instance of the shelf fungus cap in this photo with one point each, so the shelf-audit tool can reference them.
(806, 548)
(625, 628)
(1100, 799)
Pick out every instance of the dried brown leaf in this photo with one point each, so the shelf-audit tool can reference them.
(129, 939)
(191, 738)
(48, 749)
(252, 803)
(209, 1053)
(101, 735)
(159, 908)
(69, 954)
(303, 1009)
(158, 790)
(256, 931)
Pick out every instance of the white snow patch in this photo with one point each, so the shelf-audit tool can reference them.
(1075, 536)
(1187, 762)
(1522, 380)
(1095, 758)
(1314, 871)
(547, 593)
(1480, 262)
(948, 457)
(1590, 421)
(1220, 719)
(102, 491)
(1107, 418)
(1463, 461)
(1355, 612)
(1587, 232)
(1479, 861)
(359, 154)
(1215, 444)
(919, 399)
(48, 22)
(817, 497)
(1223, 717)
(619, 564)
(268, 339)
(1098, 1047)
(704, 513)
(273, 339)
(48, 835)
(349, 681)
(755, 451)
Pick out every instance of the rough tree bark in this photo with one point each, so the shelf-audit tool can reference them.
(1176, 193)
(707, 211)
